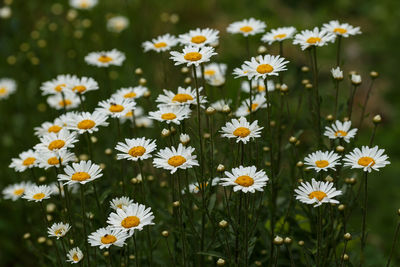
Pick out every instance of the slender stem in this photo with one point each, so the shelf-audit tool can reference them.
(339, 38)
(169, 252)
(238, 230)
(136, 251)
(290, 255)
(365, 103)
(344, 252)
(317, 101)
(319, 233)
(364, 218)
(84, 222)
(351, 101)
(336, 97)
(396, 234)
(276, 257)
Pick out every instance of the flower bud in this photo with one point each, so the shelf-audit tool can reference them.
(165, 233)
(292, 139)
(339, 148)
(262, 49)
(138, 71)
(301, 243)
(220, 168)
(356, 79)
(347, 236)
(210, 111)
(165, 132)
(184, 139)
(341, 207)
(187, 80)
(287, 240)
(226, 109)
(377, 119)
(108, 151)
(184, 70)
(374, 74)
(278, 240)
(142, 81)
(176, 204)
(223, 224)
(220, 262)
(329, 117)
(305, 69)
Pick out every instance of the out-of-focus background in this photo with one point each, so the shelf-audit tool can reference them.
(41, 39)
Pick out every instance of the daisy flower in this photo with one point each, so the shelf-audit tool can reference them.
(131, 93)
(193, 55)
(105, 237)
(241, 129)
(57, 141)
(322, 161)
(184, 96)
(134, 217)
(367, 159)
(136, 149)
(7, 87)
(105, 58)
(143, 122)
(170, 114)
(214, 73)
(199, 37)
(68, 101)
(137, 113)
(25, 160)
(37, 193)
(82, 85)
(196, 187)
(245, 179)
(173, 159)
(247, 27)
(48, 159)
(83, 4)
(161, 43)
(340, 130)
(116, 106)
(259, 101)
(86, 122)
(49, 127)
(316, 37)
(57, 85)
(341, 29)
(258, 86)
(317, 193)
(58, 230)
(82, 172)
(120, 202)
(117, 24)
(278, 35)
(220, 104)
(264, 66)
(74, 255)
(15, 191)
(337, 73)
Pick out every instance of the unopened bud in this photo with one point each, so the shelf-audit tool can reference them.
(339, 148)
(220, 168)
(347, 236)
(138, 71)
(305, 69)
(210, 111)
(377, 119)
(292, 139)
(185, 70)
(262, 49)
(374, 74)
(165, 233)
(287, 240)
(223, 224)
(142, 81)
(220, 262)
(278, 240)
(165, 132)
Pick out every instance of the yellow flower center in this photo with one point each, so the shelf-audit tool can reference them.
(105, 59)
(181, 98)
(317, 194)
(79, 88)
(59, 87)
(86, 124)
(65, 102)
(244, 180)
(137, 151)
(340, 133)
(53, 161)
(75, 257)
(38, 196)
(54, 129)
(261, 88)
(28, 161)
(241, 132)
(366, 161)
(246, 29)
(130, 95)
(19, 192)
(129, 114)
(84, 4)
(201, 186)
(56, 144)
(168, 116)
(198, 39)
(313, 40)
(116, 108)
(176, 161)
(58, 231)
(130, 221)
(339, 30)
(280, 36)
(3, 91)
(321, 163)
(80, 176)
(253, 107)
(108, 239)
(264, 68)
(160, 45)
(209, 72)
(193, 56)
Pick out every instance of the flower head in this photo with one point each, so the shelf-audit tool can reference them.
(170, 114)
(173, 159)
(74, 255)
(86, 122)
(264, 66)
(136, 149)
(193, 55)
(278, 35)
(82, 172)
(117, 24)
(105, 58)
(37, 193)
(316, 37)
(48, 159)
(317, 193)
(116, 107)
(322, 161)
(241, 130)
(58, 230)
(341, 29)
(120, 203)
(161, 43)
(25, 160)
(105, 237)
(366, 158)
(340, 130)
(247, 27)
(15, 191)
(57, 141)
(7, 87)
(245, 179)
(183, 96)
(199, 37)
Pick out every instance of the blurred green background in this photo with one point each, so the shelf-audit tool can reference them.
(41, 39)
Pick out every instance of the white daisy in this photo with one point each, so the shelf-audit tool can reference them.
(367, 159)
(68, 101)
(337, 73)
(241, 129)
(322, 160)
(120, 202)
(184, 96)
(82, 172)
(57, 141)
(117, 24)
(173, 159)
(130, 115)
(131, 92)
(136, 148)
(259, 101)
(258, 86)
(58, 230)
(48, 159)
(242, 71)
(316, 37)
(196, 187)
(105, 237)
(161, 43)
(221, 104)
(264, 66)
(214, 73)
(144, 122)
(356, 79)
(105, 58)
(86, 122)
(49, 127)
(25, 160)
(116, 107)
(83, 4)
(74, 255)
(192, 55)
(278, 35)
(245, 179)
(341, 29)
(170, 114)
(340, 130)
(57, 85)
(82, 85)
(7, 87)
(247, 27)
(317, 193)
(37, 193)
(199, 37)
(134, 217)
(15, 191)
